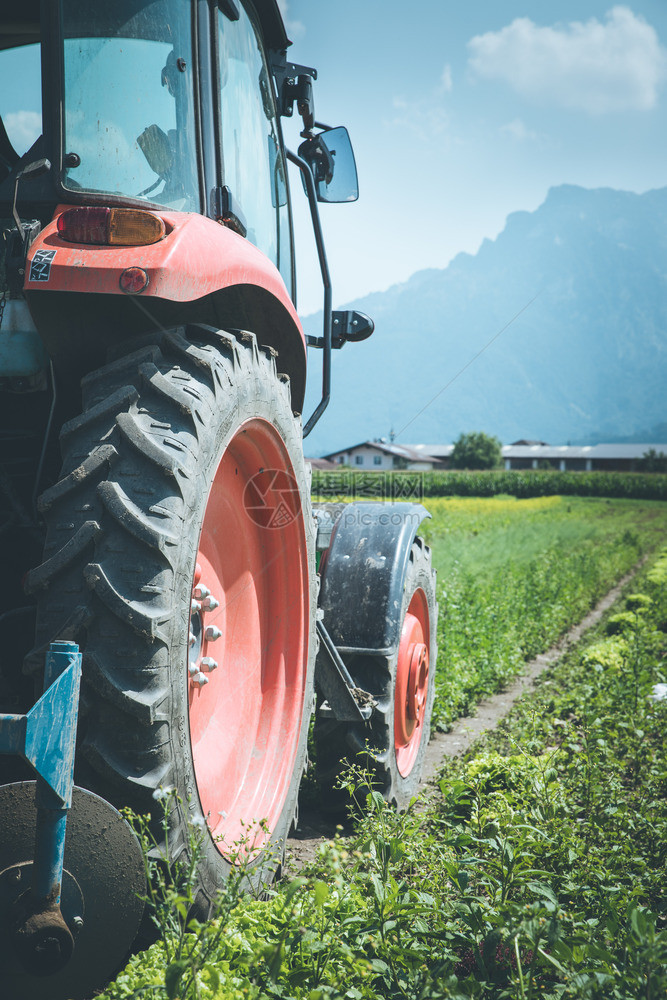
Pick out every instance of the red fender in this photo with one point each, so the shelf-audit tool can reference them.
(200, 272)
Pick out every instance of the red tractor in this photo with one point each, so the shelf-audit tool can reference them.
(155, 508)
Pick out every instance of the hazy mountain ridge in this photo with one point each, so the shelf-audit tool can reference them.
(585, 358)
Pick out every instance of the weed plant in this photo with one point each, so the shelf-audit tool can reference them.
(537, 869)
(566, 811)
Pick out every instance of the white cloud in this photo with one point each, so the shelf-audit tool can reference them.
(518, 130)
(295, 29)
(23, 128)
(594, 66)
(426, 119)
(446, 80)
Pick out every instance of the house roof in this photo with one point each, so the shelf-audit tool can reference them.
(595, 451)
(525, 449)
(437, 451)
(407, 452)
(524, 441)
(626, 450)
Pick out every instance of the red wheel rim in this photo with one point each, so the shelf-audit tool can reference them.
(246, 711)
(411, 693)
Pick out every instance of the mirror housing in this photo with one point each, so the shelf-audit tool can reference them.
(352, 325)
(330, 157)
(346, 325)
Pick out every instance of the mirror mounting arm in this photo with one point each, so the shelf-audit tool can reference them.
(35, 169)
(294, 83)
(326, 281)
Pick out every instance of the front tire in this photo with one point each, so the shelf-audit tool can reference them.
(185, 471)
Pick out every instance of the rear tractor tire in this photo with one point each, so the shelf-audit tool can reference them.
(180, 554)
(392, 744)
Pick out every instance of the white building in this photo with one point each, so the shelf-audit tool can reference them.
(380, 456)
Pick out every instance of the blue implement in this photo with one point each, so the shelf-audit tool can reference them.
(46, 739)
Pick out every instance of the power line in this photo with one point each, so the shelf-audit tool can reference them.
(468, 364)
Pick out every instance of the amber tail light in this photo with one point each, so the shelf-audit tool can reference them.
(124, 227)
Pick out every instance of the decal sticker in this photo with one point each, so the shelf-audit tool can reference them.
(40, 267)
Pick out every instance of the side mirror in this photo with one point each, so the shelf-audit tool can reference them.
(155, 145)
(35, 169)
(331, 160)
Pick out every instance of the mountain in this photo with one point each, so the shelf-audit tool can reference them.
(554, 331)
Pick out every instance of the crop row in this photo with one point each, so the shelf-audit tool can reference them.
(514, 575)
(537, 869)
(335, 485)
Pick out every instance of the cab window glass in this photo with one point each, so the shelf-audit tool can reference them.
(252, 163)
(20, 123)
(129, 112)
(20, 98)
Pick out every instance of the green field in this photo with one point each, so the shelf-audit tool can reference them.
(538, 867)
(515, 574)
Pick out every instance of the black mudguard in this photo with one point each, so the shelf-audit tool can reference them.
(363, 572)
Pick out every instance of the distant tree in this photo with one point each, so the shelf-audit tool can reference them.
(653, 461)
(476, 450)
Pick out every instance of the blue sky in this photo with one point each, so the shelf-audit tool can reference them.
(462, 113)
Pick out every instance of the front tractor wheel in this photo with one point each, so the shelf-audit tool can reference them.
(179, 555)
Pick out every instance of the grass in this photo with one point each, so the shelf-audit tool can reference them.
(481, 534)
(515, 574)
(537, 869)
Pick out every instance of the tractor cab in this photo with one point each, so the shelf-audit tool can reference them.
(168, 104)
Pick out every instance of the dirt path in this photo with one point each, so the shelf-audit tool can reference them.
(313, 828)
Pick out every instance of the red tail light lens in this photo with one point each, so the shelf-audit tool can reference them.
(85, 225)
(127, 227)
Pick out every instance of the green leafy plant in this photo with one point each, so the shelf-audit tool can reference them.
(535, 868)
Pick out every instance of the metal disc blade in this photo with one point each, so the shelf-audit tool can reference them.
(103, 856)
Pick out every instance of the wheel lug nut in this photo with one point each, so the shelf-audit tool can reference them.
(193, 668)
(201, 591)
(210, 603)
(192, 639)
(200, 679)
(208, 663)
(212, 633)
(195, 606)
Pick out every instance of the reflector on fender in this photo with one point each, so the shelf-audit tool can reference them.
(125, 227)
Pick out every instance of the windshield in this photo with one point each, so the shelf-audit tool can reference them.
(128, 108)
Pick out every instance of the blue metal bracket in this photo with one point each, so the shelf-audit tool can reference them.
(46, 739)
